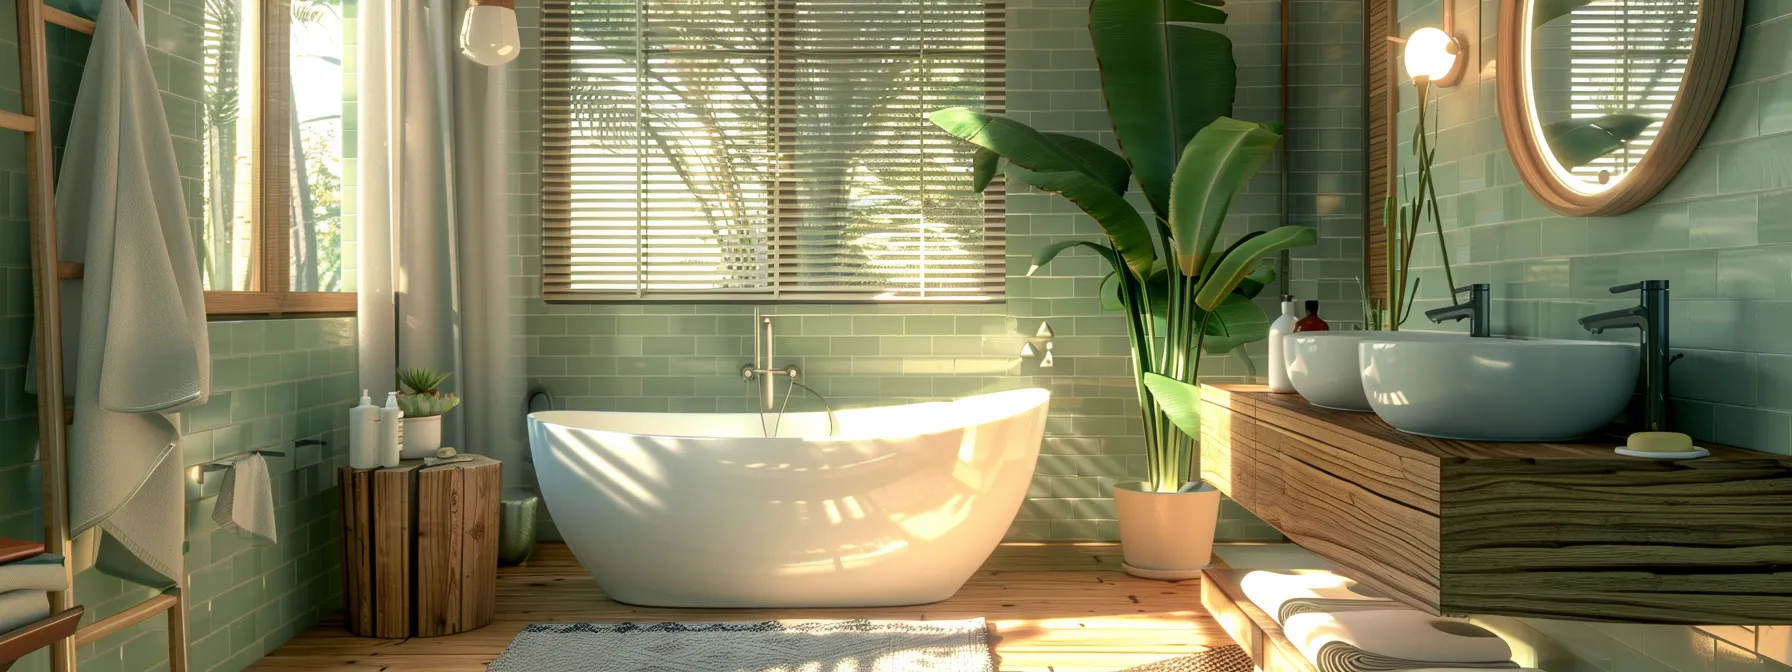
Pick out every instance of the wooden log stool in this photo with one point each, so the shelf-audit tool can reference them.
(420, 547)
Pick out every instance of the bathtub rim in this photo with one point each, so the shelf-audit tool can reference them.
(1041, 397)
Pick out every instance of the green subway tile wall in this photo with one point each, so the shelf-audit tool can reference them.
(275, 383)
(1719, 233)
(686, 358)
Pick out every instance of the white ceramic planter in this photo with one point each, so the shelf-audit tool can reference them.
(1166, 535)
(422, 436)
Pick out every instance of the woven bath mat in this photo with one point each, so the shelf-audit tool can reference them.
(768, 646)
(1222, 659)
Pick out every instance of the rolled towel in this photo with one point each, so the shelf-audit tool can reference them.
(1394, 639)
(1284, 593)
(246, 502)
(38, 572)
(20, 608)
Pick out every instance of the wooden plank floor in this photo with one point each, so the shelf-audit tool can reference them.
(1053, 607)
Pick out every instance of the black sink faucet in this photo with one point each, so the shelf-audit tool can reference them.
(1476, 311)
(1649, 316)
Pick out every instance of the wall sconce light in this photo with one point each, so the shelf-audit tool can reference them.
(488, 33)
(1437, 56)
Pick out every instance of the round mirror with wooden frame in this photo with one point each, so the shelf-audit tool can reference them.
(1603, 101)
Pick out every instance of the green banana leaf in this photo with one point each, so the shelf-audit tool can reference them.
(1253, 284)
(1246, 256)
(1105, 166)
(1158, 288)
(1217, 165)
(1110, 293)
(1125, 228)
(1164, 81)
(1046, 254)
(1578, 142)
(1545, 11)
(1014, 141)
(1237, 321)
(984, 165)
(1180, 401)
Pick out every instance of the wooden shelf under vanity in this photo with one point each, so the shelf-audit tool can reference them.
(1557, 530)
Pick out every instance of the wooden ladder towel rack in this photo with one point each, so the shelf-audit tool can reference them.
(47, 272)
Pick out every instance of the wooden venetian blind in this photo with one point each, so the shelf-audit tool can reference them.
(1384, 165)
(755, 150)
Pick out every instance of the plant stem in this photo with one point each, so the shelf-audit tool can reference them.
(1428, 191)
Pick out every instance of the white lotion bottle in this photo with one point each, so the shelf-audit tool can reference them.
(364, 434)
(391, 431)
(1278, 330)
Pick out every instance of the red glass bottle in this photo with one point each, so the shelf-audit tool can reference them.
(1312, 322)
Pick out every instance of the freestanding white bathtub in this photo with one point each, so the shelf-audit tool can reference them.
(701, 510)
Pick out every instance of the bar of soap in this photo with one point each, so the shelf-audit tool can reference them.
(1659, 442)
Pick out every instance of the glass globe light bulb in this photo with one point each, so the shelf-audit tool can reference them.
(488, 34)
(1430, 53)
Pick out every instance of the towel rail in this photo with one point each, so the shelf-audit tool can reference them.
(226, 463)
(47, 272)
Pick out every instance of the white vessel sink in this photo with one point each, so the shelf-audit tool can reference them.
(1326, 371)
(1483, 389)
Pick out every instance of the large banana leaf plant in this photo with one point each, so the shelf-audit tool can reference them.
(1169, 83)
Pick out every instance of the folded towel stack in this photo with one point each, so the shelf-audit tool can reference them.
(1284, 593)
(1394, 639)
(1341, 626)
(25, 588)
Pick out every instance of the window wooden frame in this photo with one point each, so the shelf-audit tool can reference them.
(557, 187)
(270, 172)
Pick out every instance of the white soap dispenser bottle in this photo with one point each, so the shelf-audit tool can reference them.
(1278, 364)
(391, 431)
(364, 434)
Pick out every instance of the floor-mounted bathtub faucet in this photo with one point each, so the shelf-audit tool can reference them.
(761, 368)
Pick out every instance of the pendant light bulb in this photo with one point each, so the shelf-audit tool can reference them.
(488, 34)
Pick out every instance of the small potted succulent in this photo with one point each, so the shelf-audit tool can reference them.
(423, 406)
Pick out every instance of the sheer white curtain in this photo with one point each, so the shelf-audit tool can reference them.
(434, 267)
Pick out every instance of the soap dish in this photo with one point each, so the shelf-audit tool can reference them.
(1693, 454)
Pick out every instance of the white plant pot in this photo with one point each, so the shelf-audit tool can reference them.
(422, 436)
(1166, 535)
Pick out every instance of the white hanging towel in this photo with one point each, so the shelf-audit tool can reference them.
(1284, 593)
(1395, 639)
(245, 505)
(135, 340)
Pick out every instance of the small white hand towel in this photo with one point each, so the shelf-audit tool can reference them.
(1394, 639)
(38, 572)
(1284, 593)
(20, 608)
(246, 502)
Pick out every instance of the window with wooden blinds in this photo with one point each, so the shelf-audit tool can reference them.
(767, 150)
